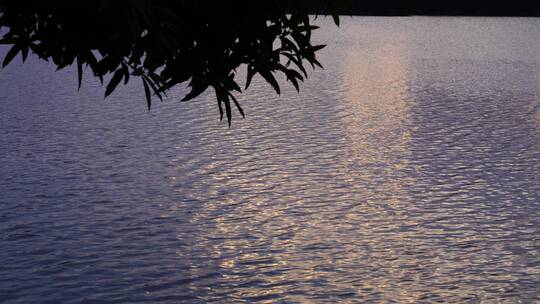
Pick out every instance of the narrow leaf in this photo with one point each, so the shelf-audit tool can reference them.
(317, 63)
(196, 90)
(24, 52)
(336, 19)
(125, 70)
(317, 47)
(250, 73)
(114, 82)
(154, 88)
(228, 109)
(11, 54)
(147, 94)
(79, 71)
(295, 83)
(220, 109)
(269, 77)
(237, 105)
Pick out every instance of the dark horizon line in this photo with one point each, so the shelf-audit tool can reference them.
(487, 8)
(436, 15)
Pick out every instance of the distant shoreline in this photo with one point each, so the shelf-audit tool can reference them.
(434, 15)
(437, 8)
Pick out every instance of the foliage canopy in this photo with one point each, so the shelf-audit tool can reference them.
(165, 42)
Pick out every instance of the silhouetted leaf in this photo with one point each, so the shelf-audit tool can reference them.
(315, 48)
(125, 70)
(296, 62)
(147, 94)
(107, 64)
(336, 19)
(24, 52)
(316, 62)
(79, 71)
(154, 88)
(115, 80)
(228, 110)
(250, 73)
(270, 79)
(237, 105)
(219, 101)
(11, 54)
(196, 90)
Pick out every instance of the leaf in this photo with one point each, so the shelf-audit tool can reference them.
(306, 28)
(237, 105)
(11, 54)
(228, 109)
(79, 71)
(315, 48)
(147, 94)
(231, 84)
(295, 84)
(220, 107)
(269, 77)
(107, 64)
(154, 88)
(24, 52)
(294, 74)
(117, 77)
(125, 70)
(197, 89)
(250, 73)
(317, 63)
(336, 18)
(62, 64)
(288, 44)
(296, 62)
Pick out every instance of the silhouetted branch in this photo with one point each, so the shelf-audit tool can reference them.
(167, 42)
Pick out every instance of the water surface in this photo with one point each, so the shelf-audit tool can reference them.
(406, 171)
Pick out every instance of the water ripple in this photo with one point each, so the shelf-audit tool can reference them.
(406, 172)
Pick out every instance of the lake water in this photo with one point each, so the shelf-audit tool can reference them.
(406, 171)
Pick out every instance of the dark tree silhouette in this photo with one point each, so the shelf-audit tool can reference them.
(166, 42)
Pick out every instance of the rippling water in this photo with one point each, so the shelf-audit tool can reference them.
(406, 171)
